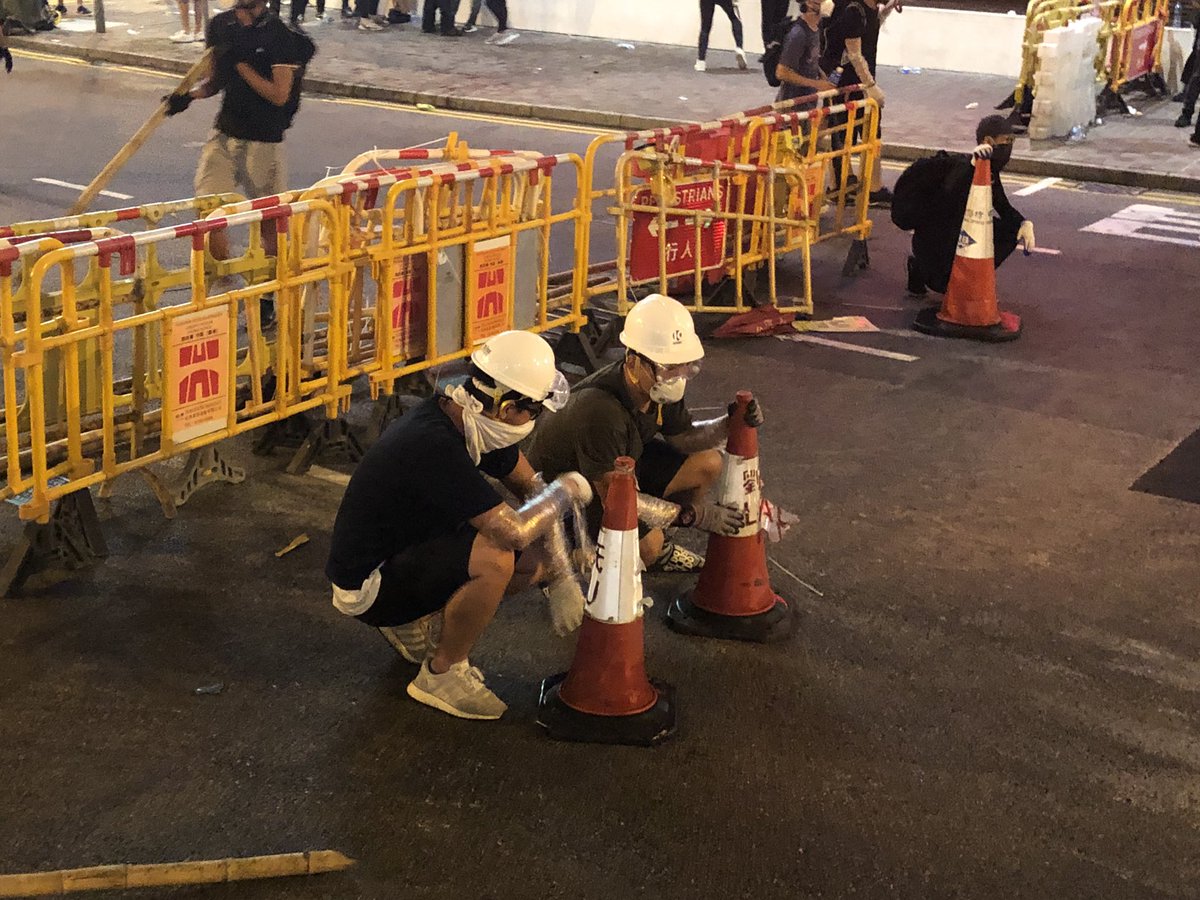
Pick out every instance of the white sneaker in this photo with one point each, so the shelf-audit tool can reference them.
(741, 58)
(470, 29)
(417, 640)
(459, 691)
(501, 39)
(700, 66)
(181, 37)
(365, 24)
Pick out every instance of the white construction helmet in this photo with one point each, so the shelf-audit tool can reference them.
(662, 330)
(522, 361)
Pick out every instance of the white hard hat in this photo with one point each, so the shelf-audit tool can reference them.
(662, 330)
(522, 361)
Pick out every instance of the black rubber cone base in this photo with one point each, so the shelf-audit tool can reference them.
(773, 625)
(565, 723)
(927, 322)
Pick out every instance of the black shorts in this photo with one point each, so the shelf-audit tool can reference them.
(655, 469)
(421, 579)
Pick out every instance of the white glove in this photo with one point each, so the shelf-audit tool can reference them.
(565, 600)
(1025, 236)
(875, 92)
(983, 151)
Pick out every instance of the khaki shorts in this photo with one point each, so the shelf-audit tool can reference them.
(227, 164)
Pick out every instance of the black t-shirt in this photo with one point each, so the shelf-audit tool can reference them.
(853, 19)
(417, 482)
(268, 42)
(598, 424)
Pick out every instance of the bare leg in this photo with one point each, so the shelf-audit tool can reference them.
(200, 8)
(473, 605)
(650, 547)
(530, 570)
(695, 477)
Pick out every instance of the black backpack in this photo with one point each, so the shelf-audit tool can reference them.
(925, 179)
(775, 41)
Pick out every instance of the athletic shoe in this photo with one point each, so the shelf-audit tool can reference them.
(741, 58)
(417, 640)
(470, 29)
(182, 37)
(61, 9)
(452, 32)
(506, 38)
(1184, 121)
(700, 66)
(82, 10)
(365, 24)
(881, 197)
(1194, 141)
(675, 558)
(459, 691)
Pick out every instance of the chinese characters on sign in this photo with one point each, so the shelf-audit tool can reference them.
(680, 237)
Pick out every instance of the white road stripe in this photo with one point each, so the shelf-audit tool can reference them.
(83, 187)
(1049, 251)
(1147, 223)
(1038, 186)
(854, 348)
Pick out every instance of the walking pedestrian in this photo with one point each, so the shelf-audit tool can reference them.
(730, 8)
(257, 65)
(498, 8)
(773, 13)
(191, 27)
(1191, 82)
(424, 548)
(5, 53)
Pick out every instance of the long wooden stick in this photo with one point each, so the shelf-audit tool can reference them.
(135, 143)
(200, 871)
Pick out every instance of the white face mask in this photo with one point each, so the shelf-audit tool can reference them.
(668, 391)
(483, 433)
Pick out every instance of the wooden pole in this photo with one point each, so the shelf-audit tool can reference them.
(202, 871)
(135, 143)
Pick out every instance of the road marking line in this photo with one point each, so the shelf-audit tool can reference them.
(854, 348)
(1039, 186)
(83, 187)
(1141, 221)
(1049, 251)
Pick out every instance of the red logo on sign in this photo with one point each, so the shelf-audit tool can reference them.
(202, 382)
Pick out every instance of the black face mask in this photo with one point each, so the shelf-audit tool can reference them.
(1001, 154)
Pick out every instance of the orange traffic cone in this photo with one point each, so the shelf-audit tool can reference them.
(733, 598)
(606, 697)
(969, 309)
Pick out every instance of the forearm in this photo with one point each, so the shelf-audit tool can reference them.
(656, 512)
(516, 529)
(791, 76)
(859, 62)
(705, 435)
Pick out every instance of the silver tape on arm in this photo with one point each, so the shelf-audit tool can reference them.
(705, 435)
(655, 512)
(516, 529)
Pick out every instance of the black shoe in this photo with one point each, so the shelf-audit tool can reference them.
(881, 197)
(61, 9)
(1184, 121)
(453, 32)
(82, 10)
(1194, 141)
(916, 283)
(428, 30)
(1178, 98)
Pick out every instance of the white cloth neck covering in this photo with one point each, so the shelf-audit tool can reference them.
(483, 433)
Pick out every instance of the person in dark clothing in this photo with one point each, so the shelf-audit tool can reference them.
(447, 10)
(707, 8)
(931, 198)
(1191, 90)
(773, 12)
(498, 8)
(799, 68)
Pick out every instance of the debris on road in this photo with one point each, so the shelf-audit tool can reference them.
(298, 541)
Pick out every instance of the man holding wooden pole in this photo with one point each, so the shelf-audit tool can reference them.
(257, 64)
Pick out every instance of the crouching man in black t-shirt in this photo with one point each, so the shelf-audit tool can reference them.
(635, 408)
(423, 543)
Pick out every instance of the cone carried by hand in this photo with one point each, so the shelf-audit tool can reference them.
(733, 598)
(970, 308)
(606, 696)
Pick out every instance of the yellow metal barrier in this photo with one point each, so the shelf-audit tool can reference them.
(683, 219)
(1043, 15)
(1137, 42)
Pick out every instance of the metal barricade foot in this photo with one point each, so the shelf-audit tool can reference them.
(203, 466)
(331, 434)
(385, 411)
(585, 350)
(72, 538)
(858, 258)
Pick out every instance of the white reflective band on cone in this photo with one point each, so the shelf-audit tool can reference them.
(975, 239)
(615, 594)
(740, 485)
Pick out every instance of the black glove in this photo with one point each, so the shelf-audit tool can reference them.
(7, 57)
(177, 103)
(754, 416)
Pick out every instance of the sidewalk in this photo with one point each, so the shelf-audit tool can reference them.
(604, 84)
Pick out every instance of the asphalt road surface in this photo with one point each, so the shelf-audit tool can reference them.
(991, 691)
